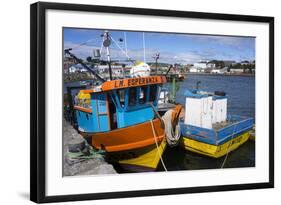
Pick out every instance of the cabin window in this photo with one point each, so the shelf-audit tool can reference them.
(153, 93)
(121, 96)
(132, 96)
(142, 94)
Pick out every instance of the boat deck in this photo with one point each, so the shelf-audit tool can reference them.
(165, 106)
(219, 125)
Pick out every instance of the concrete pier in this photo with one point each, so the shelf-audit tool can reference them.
(93, 165)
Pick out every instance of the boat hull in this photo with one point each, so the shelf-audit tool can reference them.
(214, 151)
(141, 160)
(128, 138)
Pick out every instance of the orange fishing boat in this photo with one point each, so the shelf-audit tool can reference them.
(120, 116)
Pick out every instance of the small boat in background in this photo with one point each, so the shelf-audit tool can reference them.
(164, 102)
(207, 129)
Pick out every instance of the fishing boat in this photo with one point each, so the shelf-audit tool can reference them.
(119, 117)
(174, 74)
(207, 129)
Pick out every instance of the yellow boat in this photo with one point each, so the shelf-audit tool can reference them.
(145, 159)
(215, 151)
(207, 129)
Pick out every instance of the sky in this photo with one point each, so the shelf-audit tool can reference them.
(173, 48)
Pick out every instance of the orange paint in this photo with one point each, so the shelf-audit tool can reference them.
(129, 82)
(132, 137)
(127, 138)
(89, 91)
(132, 82)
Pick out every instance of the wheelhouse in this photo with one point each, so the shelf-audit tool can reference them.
(118, 104)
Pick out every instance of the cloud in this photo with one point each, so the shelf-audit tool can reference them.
(213, 51)
(234, 42)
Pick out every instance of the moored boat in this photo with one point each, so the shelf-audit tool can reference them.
(119, 117)
(207, 129)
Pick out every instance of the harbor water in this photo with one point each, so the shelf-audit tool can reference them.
(241, 101)
(240, 91)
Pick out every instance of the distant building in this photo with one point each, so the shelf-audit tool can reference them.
(77, 68)
(217, 71)
(67, 62)
(197, 70)
(105, 68)
(193, 70)
(245, 63)
(211, 65)
(203, 65)
(200, 65)
(236, 70)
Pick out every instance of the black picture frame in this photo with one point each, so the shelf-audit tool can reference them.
(38, 101)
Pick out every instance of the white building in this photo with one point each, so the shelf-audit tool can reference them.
(217, 71)
(77, 68)
(104, 68)
(193, 70)
(196, 70)
(73, 69)
(236, 70)
(202, 65)
(211, 65)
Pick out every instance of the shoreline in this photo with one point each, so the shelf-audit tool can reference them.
(228, 74)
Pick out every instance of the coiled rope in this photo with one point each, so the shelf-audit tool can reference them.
(172, 135)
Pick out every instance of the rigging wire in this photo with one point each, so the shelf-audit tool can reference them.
(84, 43)
(120, 48)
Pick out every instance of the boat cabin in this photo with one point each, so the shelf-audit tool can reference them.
(118, 104)
(205, 109)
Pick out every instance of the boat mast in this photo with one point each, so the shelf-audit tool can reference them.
(106, 44)
(143, 41)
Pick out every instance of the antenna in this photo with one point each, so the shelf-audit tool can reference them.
(143, 41)
(114, 41)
